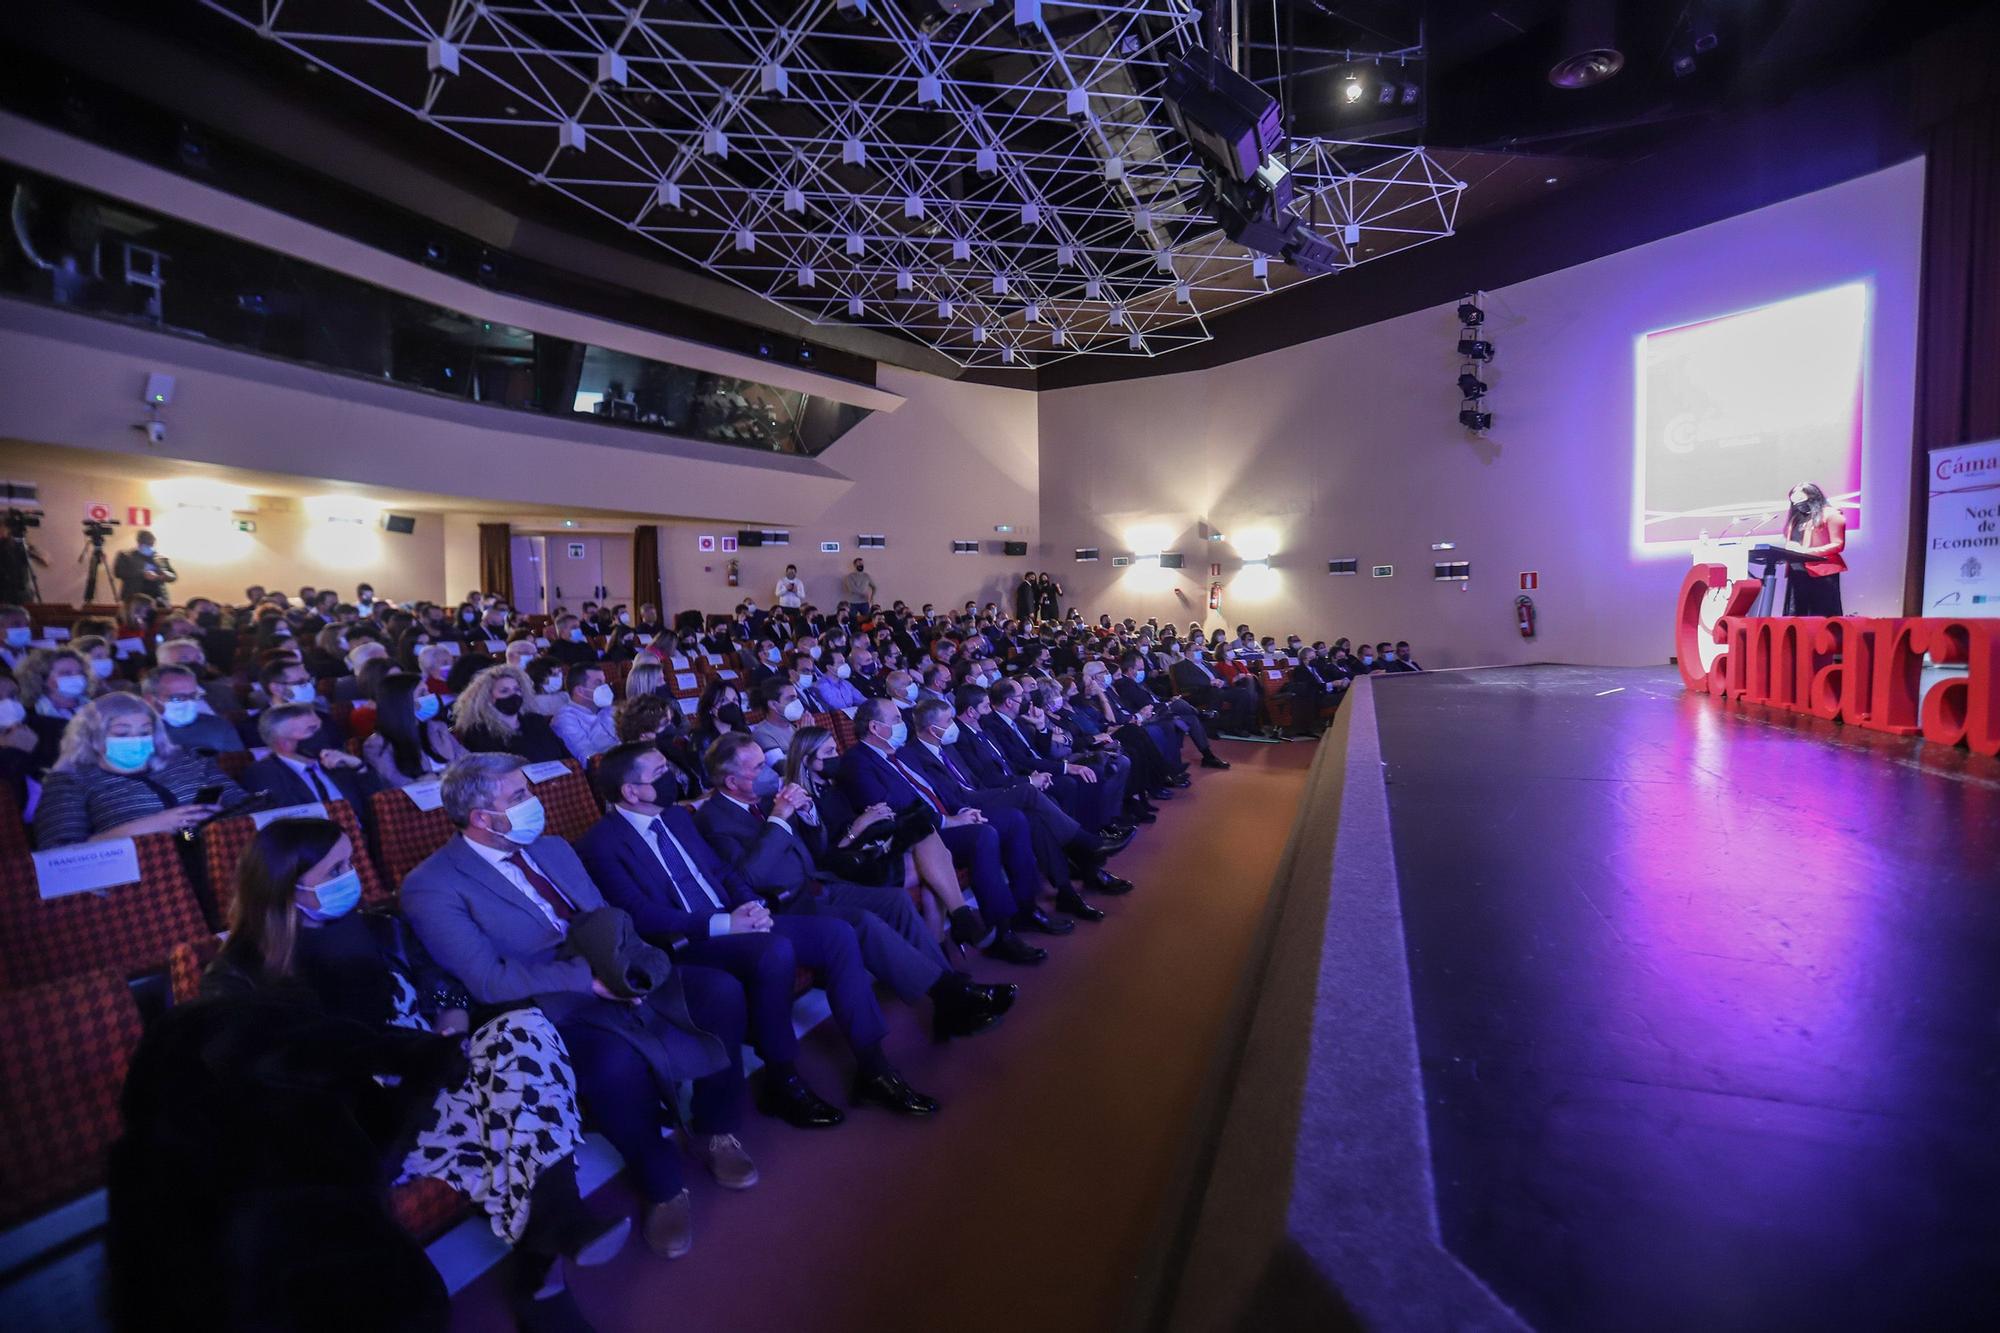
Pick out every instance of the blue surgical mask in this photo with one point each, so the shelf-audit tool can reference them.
(101, 667)
(427, 707)
(525, 821)
(72, 685)
(128, 754)
(178, 712)
(18, 636)
(337, 897)
(1140, 675)
(147, 550)
(576, 636)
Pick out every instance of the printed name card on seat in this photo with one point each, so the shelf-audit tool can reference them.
(117, 905)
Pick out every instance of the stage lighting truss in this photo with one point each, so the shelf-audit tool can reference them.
(933, 172)
(1474, 350)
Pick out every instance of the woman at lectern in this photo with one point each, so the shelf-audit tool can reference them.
(1814, 528)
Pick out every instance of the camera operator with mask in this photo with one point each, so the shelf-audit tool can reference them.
(143, 572)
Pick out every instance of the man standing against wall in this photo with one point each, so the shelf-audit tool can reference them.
(857, 590)
(791, 590)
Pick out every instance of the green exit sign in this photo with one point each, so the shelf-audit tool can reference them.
(246, 525)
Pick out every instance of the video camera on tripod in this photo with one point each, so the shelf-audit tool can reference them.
(92, 558)
(20, 520)
(95, 530)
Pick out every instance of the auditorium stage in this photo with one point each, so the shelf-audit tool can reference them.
(1705, 1003)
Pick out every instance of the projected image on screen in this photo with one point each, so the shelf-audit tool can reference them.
(1734, 412)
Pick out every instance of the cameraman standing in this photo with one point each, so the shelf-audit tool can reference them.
(142, 572)
(18, 558)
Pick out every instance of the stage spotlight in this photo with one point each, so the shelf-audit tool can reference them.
(1470, 315)
(1352, 89)
(1475, 420)
(1475, 349)
(1470, 385)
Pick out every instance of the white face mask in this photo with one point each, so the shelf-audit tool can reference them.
(843, 671)
(794, 711)
(602, 696)
(815, 650)
(910, 691)
(304, 692)
(12, 714)
(553, 685)
(179, 712)
(101, 667)
(949, 736)
(805, 680)
(73, 686)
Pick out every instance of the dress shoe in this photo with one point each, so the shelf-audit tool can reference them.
(1143, 813)
(1111, 846)
(888, 1089)
(725, 1159)
(968, 928)
(669, 1226)
(962, 1012)
(1034, 918)
(1070, 901)
(999, 996)
(1160, 795)
(1214, 761)
(1011, 948)
(790, 1100)
(1105, 882)
(1181, 779)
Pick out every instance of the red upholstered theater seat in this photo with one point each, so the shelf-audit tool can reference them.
(13, 832)
(223, 841)
(125, 930)
(233, 762)
(572, 807)
(407, 834)
(64, 1047)
(843, 731)
(185, 964)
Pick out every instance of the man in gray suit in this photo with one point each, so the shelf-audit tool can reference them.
(494, 906)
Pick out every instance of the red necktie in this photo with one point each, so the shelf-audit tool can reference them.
(542, 885)
(918, 785)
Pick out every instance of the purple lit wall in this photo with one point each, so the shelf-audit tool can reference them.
(1349, 446)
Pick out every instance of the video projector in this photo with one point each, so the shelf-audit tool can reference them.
(1236, 131)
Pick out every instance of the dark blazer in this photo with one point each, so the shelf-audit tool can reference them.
(981, 756)
(769, 856)
(275, 778)
(1021, 756)
(867, 778)
(945, 780)
(630, 876)
(1131, 693)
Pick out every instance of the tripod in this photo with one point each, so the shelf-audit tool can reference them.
(92, 557)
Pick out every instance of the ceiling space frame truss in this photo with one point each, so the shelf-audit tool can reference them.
(1002, 185)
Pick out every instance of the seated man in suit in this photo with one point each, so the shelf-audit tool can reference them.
(996, 849)
(567, 643)
(647, 856)
(1074, 787)
(759, 845)
(1044, 725)
(934, 755)
(1398, 659)
(293, 776)
(176, 694)
(494, 905)
(285, 680)
(1235, 704)
(1130, 688)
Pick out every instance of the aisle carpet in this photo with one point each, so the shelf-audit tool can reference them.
(1031, 1199)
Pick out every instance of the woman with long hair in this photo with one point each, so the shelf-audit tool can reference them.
(829, 823)
(644, 678)
(491, 715)
(720, 711)
(1817, 529)
(411, 741)
(507, 1134)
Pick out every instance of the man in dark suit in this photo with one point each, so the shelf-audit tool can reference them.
(567, 643)
(285, 680)
(1234, 705)
(762, 846)
(933, 754)
(290, 776)
(1130, 687)
(1072, 786)
(647, 857)
(996, 849)
(494, 907)
(1027, 596)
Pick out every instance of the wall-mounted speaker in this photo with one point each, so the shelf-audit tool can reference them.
(1014, 548)
(399, 523)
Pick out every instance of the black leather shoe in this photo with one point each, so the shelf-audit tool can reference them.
(968, 927)
(1013, 949)
(790, 1100)
(1072, 902)
(963, 1012)
(889, 1090)
(1038, 920)
(1180, 779)
(1143, 813)
(999, 996)
(1106, 882)
(1111, 846)
(1214, 761)
(1160, 795)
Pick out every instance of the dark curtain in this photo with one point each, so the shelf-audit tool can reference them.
(1958, 320)
(646, 566)
(496, 561)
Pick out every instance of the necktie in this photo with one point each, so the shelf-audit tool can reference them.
(319, 784)
(923, 788)
(543, 886)
(998, 757)
(672, 855)
(952, 768)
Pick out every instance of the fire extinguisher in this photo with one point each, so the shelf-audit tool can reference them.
(1215, 595)
(1524, 608)
(732, 573)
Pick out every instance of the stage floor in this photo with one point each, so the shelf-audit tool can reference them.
(1707, 1000)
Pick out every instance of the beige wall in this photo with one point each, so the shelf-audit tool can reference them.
(953, 462)
(196, 526)
(1349, 446)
